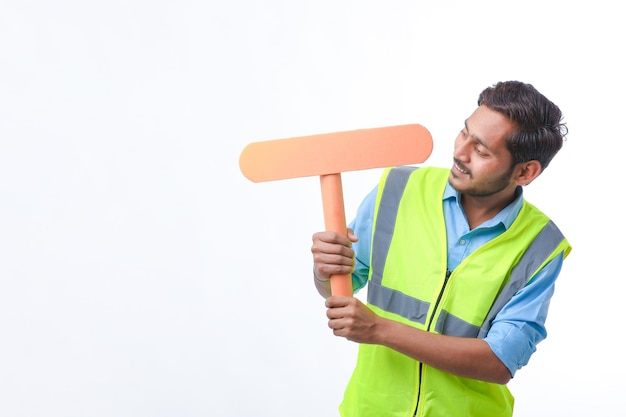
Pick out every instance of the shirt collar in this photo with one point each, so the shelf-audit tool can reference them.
(506, 216)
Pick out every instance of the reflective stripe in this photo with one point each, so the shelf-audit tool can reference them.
(385, 224)
(453, 326)
(397, 302)
(378, 295)
(542, 247)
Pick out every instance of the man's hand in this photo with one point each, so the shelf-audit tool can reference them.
(332, 255)
(350, 318)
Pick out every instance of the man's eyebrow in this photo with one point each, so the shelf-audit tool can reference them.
(476, 138)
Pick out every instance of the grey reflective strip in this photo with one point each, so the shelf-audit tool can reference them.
(539, 250)
(454, 326)
(386, 219)
(382, 297)
(397, 302)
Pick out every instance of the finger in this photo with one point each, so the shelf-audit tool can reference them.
(341, 263)
(332, 237)
(336, 324)
(333, 259)
(325, 248)
(337, 301)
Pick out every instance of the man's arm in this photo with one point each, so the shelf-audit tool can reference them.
(466, 357)
(513, 337)
(520, 325)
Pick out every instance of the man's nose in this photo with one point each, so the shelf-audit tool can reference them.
(462, 149)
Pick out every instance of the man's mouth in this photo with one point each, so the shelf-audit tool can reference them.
(460, 168)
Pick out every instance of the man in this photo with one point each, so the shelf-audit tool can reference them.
(460, 268)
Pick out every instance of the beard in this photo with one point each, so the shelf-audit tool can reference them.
(485, 188)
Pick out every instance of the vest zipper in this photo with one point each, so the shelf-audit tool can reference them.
(430, 322)
(443, 287)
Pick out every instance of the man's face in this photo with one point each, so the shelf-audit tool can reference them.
(482, 164)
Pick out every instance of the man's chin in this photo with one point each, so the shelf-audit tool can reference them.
(453, 180)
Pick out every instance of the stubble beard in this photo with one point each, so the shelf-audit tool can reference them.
(485, 189)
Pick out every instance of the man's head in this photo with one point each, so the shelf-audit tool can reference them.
(507, 141)
(539, 130)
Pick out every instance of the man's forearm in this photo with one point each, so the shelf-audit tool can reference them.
(465, 357)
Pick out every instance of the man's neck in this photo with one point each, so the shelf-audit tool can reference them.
(480, 209)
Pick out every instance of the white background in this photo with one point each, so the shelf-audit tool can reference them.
(142, 275)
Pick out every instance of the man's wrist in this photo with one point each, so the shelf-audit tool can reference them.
(317, 278)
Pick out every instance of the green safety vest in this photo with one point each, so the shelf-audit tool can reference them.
(408, 283)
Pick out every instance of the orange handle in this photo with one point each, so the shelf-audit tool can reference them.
(335, 221)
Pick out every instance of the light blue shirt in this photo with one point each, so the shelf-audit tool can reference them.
(520, 325)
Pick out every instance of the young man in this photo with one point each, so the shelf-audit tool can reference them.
(460, 268)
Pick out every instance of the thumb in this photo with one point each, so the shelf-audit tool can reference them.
(352, 236)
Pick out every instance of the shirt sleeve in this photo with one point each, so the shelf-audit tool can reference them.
(362, 227)
(520, 325)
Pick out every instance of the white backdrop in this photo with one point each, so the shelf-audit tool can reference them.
(142, 275)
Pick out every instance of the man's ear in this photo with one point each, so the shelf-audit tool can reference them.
(526, 172)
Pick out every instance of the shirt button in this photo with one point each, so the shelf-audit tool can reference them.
(462, 241)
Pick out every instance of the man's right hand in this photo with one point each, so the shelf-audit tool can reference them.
(332, 254)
